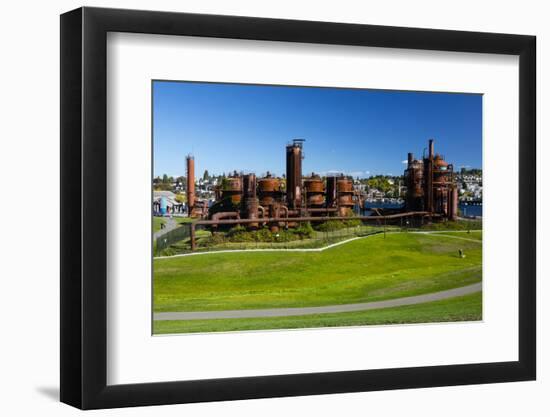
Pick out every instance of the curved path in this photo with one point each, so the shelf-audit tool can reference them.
(321, 249)
(301, 311)
(170, 225)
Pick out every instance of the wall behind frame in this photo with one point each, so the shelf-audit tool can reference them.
(29, 167)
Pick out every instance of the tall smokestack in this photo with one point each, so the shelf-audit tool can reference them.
(294, 174)
(410, 158)
(190, 182)
(428, 177)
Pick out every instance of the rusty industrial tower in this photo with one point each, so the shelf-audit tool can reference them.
(285, 202)
(431, 185)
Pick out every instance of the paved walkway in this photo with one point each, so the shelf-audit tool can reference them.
(170, 224)
(301, 311)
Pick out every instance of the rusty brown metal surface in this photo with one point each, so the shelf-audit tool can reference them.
(294, 174)
(414, 176)
(232, 188)
(269, 190)
(431, 184)
(428, 178)
(276, 202)
(190, 168)
(314, 189)
(249, 186)
(344, 187)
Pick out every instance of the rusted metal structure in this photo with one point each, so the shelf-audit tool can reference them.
(190, 175)
(314, 188)
(431, 185)
(344, 189)
(257, 202)
(414, 182)
(277, 202)
(232, 188)
(331, 192)
(270, 190)
(294, 155)
(196, 208)
(250, 200)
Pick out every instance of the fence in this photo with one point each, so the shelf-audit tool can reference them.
(168, 239)
(178, 241)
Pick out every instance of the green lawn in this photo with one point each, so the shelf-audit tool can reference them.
(473, 234)
(181, 220)
(368, 269)
(465, 308)
(157, 222)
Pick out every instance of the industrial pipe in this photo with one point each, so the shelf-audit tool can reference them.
(224, 214)
(317, 219)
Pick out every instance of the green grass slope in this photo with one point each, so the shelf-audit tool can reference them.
(368, 269)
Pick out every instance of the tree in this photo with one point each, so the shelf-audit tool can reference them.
(206, 175)
(165, 179)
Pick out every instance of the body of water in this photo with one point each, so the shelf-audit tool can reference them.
(470, 210)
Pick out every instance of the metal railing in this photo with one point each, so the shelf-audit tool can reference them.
(173, 236)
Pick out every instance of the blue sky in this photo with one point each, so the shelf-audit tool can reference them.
(360, 132)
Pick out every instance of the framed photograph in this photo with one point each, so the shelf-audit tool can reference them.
(258, 208)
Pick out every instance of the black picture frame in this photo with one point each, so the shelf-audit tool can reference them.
(84, 207)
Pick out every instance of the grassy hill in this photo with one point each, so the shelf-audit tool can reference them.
(368, 269)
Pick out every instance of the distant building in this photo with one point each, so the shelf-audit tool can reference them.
(165, 203)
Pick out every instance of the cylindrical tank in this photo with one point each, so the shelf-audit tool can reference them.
(314, 189)
(232, 188)
(453, 203)
(163, 205)
(269, 190)
(251, 210)
(250, 206)
(440, 200)
(416, 174)
(344, 187)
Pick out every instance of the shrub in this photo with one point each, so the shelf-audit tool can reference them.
(454, 225)
(331, 225)
(304, 230)
(352, 222)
